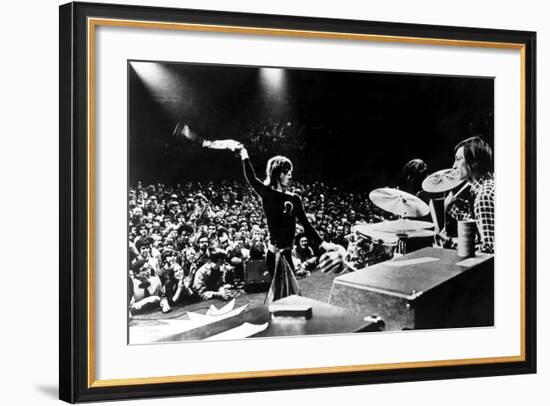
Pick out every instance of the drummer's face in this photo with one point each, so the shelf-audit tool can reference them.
(460, 164)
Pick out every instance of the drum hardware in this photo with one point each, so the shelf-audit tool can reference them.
(443, 181)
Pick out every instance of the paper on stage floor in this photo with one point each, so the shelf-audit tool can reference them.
(218, 314)
(145, 334)
(413, 261)
(214, 311)
(142, 334)
(474, 260)
(245, 330)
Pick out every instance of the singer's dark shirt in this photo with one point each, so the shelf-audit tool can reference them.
(281, 211)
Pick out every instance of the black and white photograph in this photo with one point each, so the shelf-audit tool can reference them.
(267, 202)
(275, 202)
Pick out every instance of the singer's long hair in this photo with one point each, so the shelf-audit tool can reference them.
(275, 167)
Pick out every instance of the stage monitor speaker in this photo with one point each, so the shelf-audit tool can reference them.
(256, 276)
(428, 288)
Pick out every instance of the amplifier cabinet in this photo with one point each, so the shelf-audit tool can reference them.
(256, 276)
(425, 289)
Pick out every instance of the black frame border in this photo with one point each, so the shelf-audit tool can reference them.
(73, 195)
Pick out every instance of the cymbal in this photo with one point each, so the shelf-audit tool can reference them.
(399, 202)
(402, 226)
(390, 237)
(417, 234)
(441, 181)
(367, 230)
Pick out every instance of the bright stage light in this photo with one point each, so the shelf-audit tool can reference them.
(275, 93)
(273, 79)
(153, 74)
(163, 85)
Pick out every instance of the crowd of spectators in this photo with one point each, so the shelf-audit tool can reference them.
(286, 137)
(192, 241)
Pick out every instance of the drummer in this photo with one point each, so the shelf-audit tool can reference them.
(474, 163)
(414, 172)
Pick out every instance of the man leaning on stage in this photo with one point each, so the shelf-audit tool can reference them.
(208, 281)
(145, 287)
(474, 163)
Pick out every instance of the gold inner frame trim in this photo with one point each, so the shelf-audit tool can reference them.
(300, 371)
(93, 22)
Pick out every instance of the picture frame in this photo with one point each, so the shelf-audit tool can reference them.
(78, 380)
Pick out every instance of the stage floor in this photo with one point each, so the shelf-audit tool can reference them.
(149, 327)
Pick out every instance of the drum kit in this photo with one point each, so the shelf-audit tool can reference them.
(397, 236)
